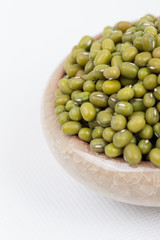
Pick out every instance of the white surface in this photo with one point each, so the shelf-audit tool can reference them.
(38, 199)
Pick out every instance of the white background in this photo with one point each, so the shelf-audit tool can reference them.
(38, 199)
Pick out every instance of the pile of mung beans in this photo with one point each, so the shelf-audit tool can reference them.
(110, 93)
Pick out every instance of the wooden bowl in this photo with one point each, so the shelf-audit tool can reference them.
(113, 178)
